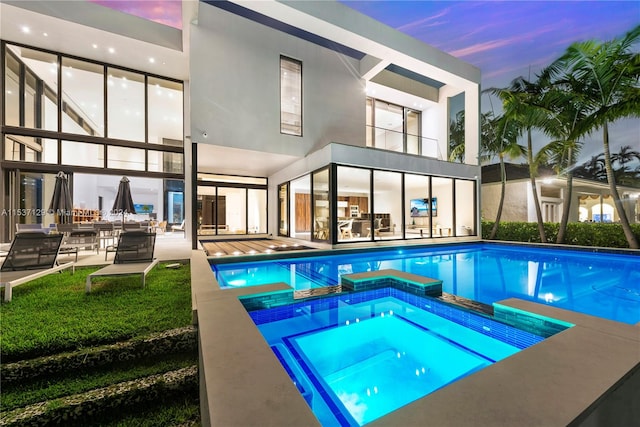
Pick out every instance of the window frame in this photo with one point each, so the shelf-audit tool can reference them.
(285, 125)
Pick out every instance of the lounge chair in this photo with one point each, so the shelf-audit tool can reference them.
(178, 227)
(134, 256)
(31, 255)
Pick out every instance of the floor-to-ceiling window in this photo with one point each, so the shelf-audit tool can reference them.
(300, 212)
(87, 117)
(417, 206)
(442, 207)
(283, 209)
(393, 127)
(321, 205)
(387, 205)
(229, 204)
(372, 204)
(353, 207)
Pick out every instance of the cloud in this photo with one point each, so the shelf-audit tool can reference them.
(429, 21)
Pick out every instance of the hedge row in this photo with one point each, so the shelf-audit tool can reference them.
(167, 342)
(578, 233)
(78, 409)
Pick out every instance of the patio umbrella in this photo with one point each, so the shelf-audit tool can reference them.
(61, 201)
(124, 202)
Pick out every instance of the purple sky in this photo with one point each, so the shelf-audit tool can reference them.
(505, 39)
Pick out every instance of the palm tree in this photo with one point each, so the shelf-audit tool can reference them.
(521, 103)
(610, 72)
(456, 138)
(593, 168)
(500, 138)
(624, 156)
(566, 113)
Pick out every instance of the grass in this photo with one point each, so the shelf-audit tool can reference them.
(53, 314)
(179, 412)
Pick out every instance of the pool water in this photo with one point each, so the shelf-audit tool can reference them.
(357, 357)
(604, 285)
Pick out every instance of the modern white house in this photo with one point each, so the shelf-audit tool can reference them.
(300, 119)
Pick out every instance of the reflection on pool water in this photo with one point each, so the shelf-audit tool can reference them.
(600, 284)
(359, 356)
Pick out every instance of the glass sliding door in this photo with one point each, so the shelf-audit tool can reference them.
(413, 131)
(235, 212)
(283, 209)
(443, 221)
(465, 207)
(321, 205)
(387, 205)
(417, 207)
(300, 212)
(256, 211)
(353, 207)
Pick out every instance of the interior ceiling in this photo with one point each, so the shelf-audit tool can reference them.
(235, 161)
(59, 35)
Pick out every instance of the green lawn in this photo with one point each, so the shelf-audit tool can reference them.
(53, 314)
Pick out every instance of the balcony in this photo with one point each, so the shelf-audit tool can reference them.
(386, 139)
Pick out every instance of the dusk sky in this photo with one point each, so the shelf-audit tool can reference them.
(505, 39)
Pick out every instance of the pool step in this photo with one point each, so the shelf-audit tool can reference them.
(294, 371)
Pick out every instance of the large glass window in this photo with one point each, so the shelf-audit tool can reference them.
(83, 97)
(387, 208)
(393, 127)
(162, 161)
(82, 154)
(413, 132)
(32, 76)
(353, 208)
(235, 212)
(125, 158)
(133, 111)
(442, 207)
(165, 112)
(30, 149)
(257, 211)
(283, 209)
(465, 207)
(290, 96)
(321, 205)
(300, 213)
(417, 206)
(126, 105)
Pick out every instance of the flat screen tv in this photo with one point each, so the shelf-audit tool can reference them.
(420, 207)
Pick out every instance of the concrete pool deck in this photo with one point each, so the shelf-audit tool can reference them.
(587, 375)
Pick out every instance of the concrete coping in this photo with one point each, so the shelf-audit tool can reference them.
(587, 372)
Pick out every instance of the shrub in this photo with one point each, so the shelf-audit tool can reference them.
(578, 233)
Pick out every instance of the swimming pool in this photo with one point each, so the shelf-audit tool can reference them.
(359, 356)
(601, 284)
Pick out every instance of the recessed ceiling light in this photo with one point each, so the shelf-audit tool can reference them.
(26, 29)
(152, 60)
(45, 34)
(112, 50)
(95, 46)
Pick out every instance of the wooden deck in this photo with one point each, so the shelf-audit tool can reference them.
(248, 247)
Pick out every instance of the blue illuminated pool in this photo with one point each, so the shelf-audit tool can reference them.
(606, 285)
(357, 357)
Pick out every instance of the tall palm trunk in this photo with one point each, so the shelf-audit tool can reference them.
(532, 177)
(568, 197)
(503, 180)
(624, 221)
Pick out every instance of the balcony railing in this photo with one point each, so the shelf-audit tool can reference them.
(385, 139)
